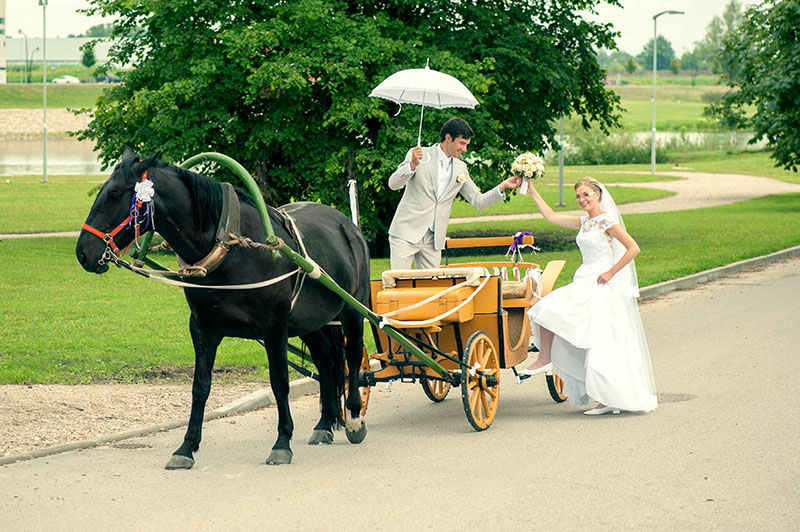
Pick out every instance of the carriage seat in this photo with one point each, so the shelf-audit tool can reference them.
(392, 298)
(471, 274)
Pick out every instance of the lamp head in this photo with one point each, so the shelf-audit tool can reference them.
(668, 12)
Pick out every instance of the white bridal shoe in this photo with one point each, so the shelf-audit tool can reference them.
(601, 411)
(547, 368)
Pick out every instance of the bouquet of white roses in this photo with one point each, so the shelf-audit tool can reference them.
(527, 165)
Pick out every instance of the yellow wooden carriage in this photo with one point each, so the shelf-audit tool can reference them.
(470, 322)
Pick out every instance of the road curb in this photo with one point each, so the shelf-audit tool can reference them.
(306, 386)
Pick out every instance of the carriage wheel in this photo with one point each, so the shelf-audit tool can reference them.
(436, 390)
(363, 390)
(556, 388)
(480, 392)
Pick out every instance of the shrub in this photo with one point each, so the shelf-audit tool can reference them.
(594, 147)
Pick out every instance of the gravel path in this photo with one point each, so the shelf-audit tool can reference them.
(39, 416)
(29, 121)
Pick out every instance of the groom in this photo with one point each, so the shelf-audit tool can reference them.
(432, 177)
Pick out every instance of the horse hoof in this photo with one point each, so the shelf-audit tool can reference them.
(356, 430)
(319, 437)
(279, 457)
(179, 462)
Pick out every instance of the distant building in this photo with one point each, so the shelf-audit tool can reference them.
(59, 50)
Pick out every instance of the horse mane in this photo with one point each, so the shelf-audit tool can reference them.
(206, 193)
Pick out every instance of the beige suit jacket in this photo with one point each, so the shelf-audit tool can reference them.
(419, 207)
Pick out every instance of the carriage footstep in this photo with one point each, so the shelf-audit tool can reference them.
(356, 430)
(320, 437)
(179, 462)
(279, 457)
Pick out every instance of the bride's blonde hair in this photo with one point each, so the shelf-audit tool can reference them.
(592, 183)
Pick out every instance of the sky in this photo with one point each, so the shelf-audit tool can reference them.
(634, 20)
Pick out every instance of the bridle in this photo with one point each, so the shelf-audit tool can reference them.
(112, 251)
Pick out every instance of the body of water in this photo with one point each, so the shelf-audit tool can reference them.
(65, 156)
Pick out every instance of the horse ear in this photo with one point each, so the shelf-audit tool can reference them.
(127, 153)
(139, 167)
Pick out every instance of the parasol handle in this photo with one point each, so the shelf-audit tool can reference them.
(419, 137)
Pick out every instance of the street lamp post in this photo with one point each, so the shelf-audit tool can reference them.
(43, 3)
(26, 53)
(655, 57)
(561, 162)
(29, 62)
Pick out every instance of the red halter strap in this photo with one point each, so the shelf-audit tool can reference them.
(108, 238)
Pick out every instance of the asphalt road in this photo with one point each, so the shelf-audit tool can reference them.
(719, 453)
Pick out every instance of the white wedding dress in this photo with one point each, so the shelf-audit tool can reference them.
(599, 350)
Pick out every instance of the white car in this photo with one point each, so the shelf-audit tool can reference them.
(66, 79)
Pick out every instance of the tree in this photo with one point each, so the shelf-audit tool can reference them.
(613, 62)
(630, 65)
(283, 87)
(690, 62)
(762, 60)
(708, 49)
(88, 59)
(664, 51)
(100, 30)
(674, 66)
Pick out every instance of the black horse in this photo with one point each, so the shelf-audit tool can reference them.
(185, 210)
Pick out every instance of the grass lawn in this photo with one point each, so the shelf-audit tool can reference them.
(22, 96)
(61, 204)
(678, 107)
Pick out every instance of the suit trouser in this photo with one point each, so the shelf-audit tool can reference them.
(423, 254)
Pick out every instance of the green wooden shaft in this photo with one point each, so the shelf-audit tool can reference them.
(141, 253)
(363, 310)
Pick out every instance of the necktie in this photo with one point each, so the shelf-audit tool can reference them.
(444, 175)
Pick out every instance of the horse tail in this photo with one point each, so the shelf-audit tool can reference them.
(335, 337)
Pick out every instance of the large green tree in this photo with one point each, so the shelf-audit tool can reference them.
(708, 49)
(283, 86)
(762, 62)
(664, 52)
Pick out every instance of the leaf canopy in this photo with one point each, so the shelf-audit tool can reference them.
(282, 86)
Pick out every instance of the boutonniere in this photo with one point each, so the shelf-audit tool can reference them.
(461, 178)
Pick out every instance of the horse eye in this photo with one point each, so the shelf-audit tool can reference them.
(114, 194)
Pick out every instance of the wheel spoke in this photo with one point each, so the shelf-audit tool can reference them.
(473, 400)
(485, 402)
(493, 392)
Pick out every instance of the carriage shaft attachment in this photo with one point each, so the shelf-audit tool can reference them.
(373, 318)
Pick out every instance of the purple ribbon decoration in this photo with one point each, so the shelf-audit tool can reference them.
(517, 242)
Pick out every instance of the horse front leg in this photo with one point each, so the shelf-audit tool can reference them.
(276, 346)
(205, 352)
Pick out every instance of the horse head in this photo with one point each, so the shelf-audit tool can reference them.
(114, 219)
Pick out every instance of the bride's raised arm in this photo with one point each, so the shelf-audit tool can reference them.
(570, 222)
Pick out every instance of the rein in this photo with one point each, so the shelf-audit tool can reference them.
(226, 237)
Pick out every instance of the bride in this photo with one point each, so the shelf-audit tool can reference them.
(589, 332)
